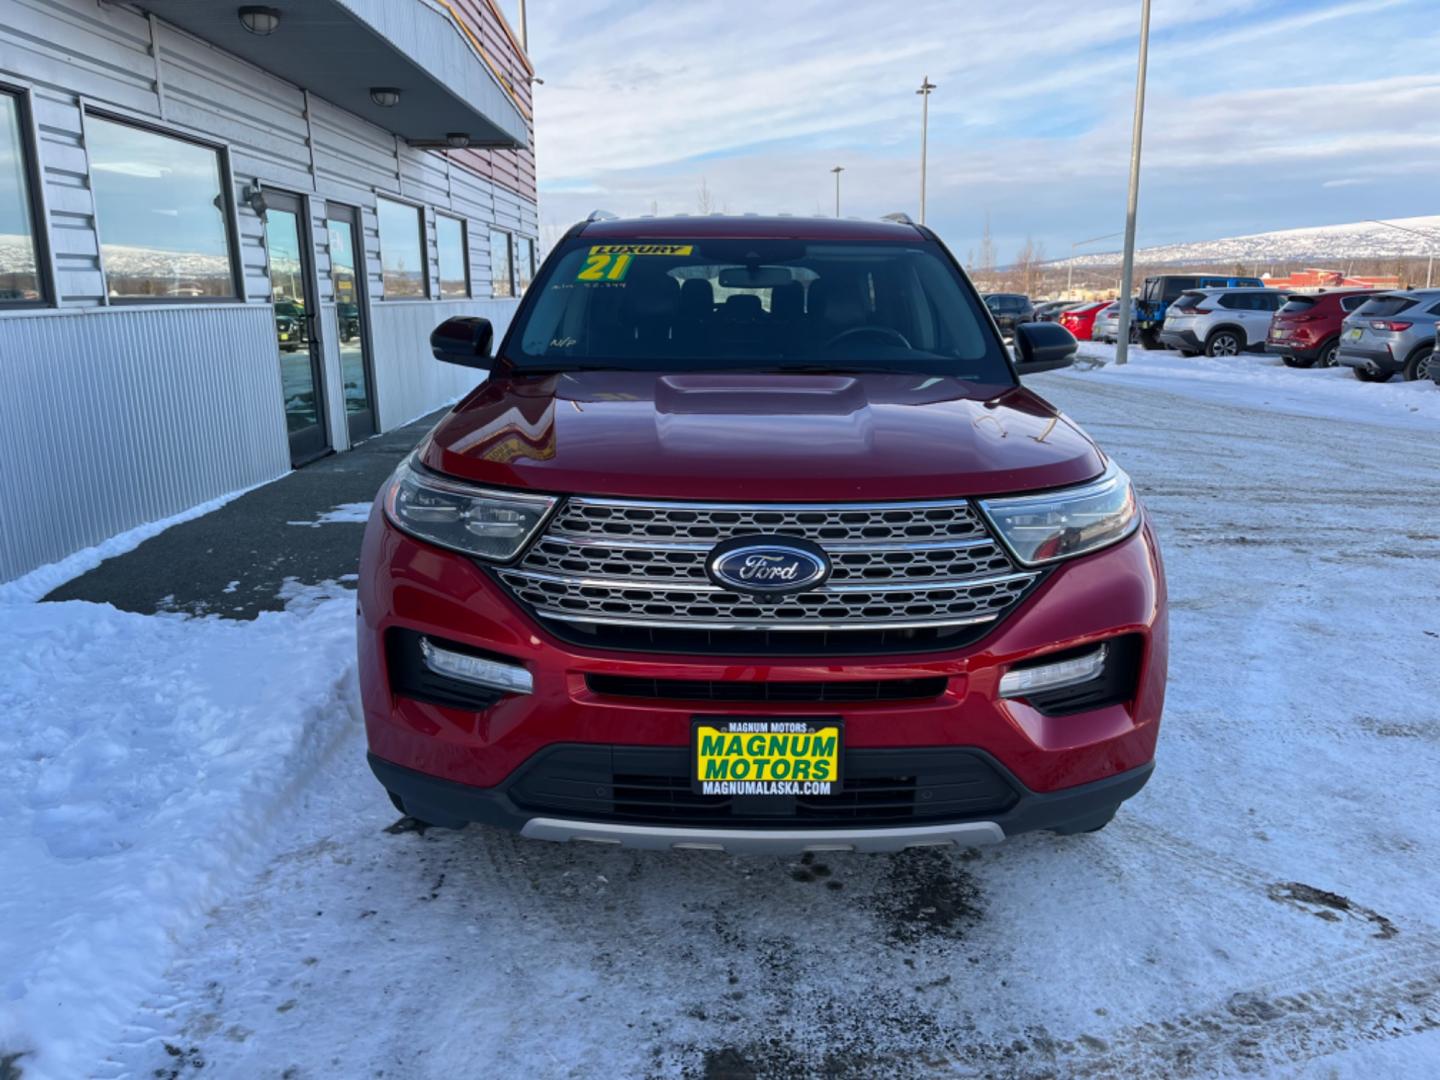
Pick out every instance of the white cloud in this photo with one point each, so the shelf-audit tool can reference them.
(1031, 119)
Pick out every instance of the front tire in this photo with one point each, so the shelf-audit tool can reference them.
(1297, 362)
(1420, 364)
(1149, 339)
(1224, 343)
(1366, 375)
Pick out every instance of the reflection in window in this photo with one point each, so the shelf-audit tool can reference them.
(450, 243)
(402, 248)
(160, 206)
(502, 281)
(19, 268)
(525, 272)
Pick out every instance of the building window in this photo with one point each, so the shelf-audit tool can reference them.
(161, 208)
(402, 250)
(454, 256)
(502, 277)
(20, 281)
(526, 270)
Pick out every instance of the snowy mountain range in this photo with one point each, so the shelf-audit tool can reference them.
(1323, 245)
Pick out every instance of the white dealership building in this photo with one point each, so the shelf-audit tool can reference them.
(226, 232)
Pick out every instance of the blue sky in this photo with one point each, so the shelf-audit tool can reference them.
(1262, 114)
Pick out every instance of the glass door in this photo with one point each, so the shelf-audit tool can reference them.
(302, 379)
(353, 313)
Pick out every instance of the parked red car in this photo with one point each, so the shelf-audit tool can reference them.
(1305, 332)
(753, 541)
(1080, 320)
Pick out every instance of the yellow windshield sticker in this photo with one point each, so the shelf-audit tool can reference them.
(605, 268)
(611, 262)
(642, 249)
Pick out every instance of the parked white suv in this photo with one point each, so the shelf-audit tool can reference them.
(1220, 322)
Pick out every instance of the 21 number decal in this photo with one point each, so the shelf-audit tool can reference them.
(605, 267)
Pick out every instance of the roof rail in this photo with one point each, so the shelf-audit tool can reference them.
(602, 215)
(899, 217)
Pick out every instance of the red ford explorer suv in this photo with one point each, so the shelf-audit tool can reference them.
(752, 540)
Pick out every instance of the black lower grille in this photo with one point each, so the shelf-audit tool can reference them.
(861, 642)
(855, 691)
(652, 785)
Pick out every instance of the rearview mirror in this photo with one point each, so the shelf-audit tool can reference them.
(463, 340)
(755, 277)
(1043, 346)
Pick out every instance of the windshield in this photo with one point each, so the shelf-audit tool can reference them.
(769, 304)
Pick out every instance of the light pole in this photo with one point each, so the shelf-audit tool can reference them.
(925, 87)
(1430, 269)
(837, 170)
(1070, 268)
(1122, 344)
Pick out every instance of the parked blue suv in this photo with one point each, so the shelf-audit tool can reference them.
(1158, 293)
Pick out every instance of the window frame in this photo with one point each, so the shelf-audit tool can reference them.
(34, 179)
(221, 150)
(510, 263)
(419, 209)
(526, 244)
(464, 223)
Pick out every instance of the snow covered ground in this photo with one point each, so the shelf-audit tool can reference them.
(1262, 381)
(203, 879)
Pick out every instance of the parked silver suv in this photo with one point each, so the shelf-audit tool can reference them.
(1393, 333)
(1220, 322)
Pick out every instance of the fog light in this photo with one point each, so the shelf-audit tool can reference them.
(1061, 673)
(511, 678)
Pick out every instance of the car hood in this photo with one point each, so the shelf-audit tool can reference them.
(760, 437)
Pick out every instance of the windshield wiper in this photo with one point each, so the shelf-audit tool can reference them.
(566, 369)
(832, 369)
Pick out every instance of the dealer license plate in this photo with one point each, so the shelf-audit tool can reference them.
(1356, 333)
(745, 756)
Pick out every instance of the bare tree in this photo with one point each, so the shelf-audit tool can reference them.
(704, 200)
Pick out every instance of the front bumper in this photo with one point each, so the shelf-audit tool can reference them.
(1181, 339)
(458, 765)
(446, 803)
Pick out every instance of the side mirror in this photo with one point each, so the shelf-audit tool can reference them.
(463, 340)
(1043, 346)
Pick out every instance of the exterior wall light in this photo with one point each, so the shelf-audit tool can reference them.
(457, 140)
(385, 96)
(254, 197)
(260, 20)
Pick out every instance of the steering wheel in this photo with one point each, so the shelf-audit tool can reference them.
(886, 332)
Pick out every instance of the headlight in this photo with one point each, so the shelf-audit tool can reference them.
(1062, 524)
(492, 525)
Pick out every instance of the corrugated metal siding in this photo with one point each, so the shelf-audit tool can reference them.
(113, 418)
(512, 169)
(115, 374)
(412, 382)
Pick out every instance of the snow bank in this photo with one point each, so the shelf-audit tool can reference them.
(1262, 381)
(142, 759)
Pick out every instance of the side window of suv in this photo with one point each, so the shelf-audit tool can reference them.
(1350, 303)
(1270, 301)
(1233, 301)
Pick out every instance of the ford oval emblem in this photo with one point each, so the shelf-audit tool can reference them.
(768, 565)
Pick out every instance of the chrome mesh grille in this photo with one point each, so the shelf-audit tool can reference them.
(894, 565)
(884, 523)
(563, 557)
